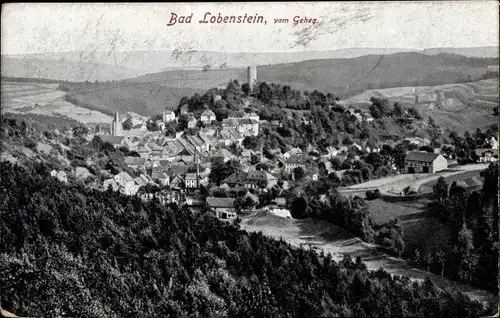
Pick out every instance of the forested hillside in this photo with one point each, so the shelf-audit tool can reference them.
(101, 254)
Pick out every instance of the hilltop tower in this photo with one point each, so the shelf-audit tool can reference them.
(251, 76)
(116, 125)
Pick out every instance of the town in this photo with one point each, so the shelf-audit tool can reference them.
(183, 166)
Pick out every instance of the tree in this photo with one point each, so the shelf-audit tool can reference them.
(465, 259)
(221, 170)
(366, 173)
(254, 159)
(441, 258)
(170, 128)
(375, 159)
(80, 131)
(299, 208)
(251, 142)
(440, 190)
(336, 163)
(245, 88)
(182, 122)
(298, 173)
(397, 111)
(127, 124)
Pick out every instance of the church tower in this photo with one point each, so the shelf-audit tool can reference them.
(116, 125)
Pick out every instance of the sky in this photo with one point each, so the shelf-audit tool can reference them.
(57, 27)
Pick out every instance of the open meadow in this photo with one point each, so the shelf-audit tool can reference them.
(45, 99)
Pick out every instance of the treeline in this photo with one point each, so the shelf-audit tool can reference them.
(320, 200)
(472, 220)
(87, 253)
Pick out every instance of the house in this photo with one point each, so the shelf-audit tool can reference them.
(229, 123)
(294, 162)
(227, 137)
(222, 153)
(177, 181)
(253, 179)
(184, 109)
(168, 116)
(60, 175)
(191, 181)
(223, 207)
(292, 152)
(135, 162)
(248, 127)
(492, 142)
(331, 152)
(252, 116)
(424, 162)
(126, 183)
(207, 117)
(418, 141)
(192, 123)
(486, 155)
(161, 176)
(207, 131)
(102, 129)
(110, 183)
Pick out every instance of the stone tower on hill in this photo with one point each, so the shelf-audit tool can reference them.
(252, 76)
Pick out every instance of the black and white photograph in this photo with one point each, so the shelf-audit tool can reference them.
(258, 159)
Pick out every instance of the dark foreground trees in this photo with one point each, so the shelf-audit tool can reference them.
(71, 251)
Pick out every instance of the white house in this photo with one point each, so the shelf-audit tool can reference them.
(424, 162)
(190, 181)
(192, 123)
(126, 183)
(168, 116)
(60, 175)
(207, 116)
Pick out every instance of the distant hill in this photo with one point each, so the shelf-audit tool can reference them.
(482, 51)
(75, 71)
(342, 76)
(119, 65)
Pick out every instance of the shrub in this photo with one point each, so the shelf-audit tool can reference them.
(372, 195)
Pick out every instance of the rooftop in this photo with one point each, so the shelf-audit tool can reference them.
(421, 156)
(220, 202)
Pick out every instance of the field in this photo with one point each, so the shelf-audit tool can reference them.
(458, 107)
(44, 99)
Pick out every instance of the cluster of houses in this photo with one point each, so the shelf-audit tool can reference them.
(182, 162)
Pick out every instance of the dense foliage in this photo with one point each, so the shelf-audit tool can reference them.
(68, 250)
(472, 220)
